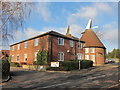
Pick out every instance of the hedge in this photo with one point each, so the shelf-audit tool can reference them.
(74, 64)
(70, 65)
(86, 64)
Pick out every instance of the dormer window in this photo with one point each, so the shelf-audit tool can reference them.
(25, 44)
(60, 41)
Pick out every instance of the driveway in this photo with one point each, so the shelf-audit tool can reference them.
(105, 76)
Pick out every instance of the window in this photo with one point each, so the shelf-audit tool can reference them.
(60, 56)
(25, 57)
(36, 42)
(60, 41)
(25, 45)
(71, 43)
(35, 56)
(86, 50)
(18, 58)
(87, 57)
(79, 56)
(92, 50)
(12, 58)
(18, 47)
(92, 57)
(80, 45)
(12, 48)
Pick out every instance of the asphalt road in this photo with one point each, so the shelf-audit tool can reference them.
(97, 77)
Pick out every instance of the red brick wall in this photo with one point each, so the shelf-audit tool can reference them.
(64, 48)
(99, 56)
(30, 50)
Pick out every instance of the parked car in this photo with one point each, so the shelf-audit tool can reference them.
(110, 61)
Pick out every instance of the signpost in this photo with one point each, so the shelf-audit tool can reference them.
(54, 64)
(79, 64)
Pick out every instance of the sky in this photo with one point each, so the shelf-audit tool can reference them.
(57, 16)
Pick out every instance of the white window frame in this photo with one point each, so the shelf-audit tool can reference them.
(71, 43)
(93, 59)
(35, 56)
(88, 57)
(59, 42)
(61, 58)
(25, 44)
(17, 58)
(13, 48)
(79, 45)
(36, 42)
(93, 50)
(79, 56)
(25, 56)
(86, 50)
(18, 46)
(12, 58)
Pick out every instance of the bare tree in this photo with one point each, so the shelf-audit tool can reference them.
(12, 17)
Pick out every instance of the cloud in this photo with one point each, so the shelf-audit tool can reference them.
(111, 33)
(88, 12)
(43, 10)
(29, 32)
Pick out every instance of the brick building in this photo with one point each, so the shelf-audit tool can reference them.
(60, 47)
(93, 48)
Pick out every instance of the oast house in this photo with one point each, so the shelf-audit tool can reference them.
(60, 47)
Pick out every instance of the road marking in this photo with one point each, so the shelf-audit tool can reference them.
(54, 85)
(98, 77)
(113, 86)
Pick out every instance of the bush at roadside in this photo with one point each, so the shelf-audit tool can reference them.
(14, 64)
(70, 65)
(86, 64)
(74, 64)
(5, 68)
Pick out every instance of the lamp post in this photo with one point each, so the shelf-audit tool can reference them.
(79, 53)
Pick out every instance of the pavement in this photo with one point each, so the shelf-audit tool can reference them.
(102, 77)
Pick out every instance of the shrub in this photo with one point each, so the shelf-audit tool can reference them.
(74, 64)
(70, 65)
(86, 64)
(41, 58)
(14, 64)
(5, 67)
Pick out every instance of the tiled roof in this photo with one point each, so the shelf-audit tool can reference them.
(50, 33)
(91, 39)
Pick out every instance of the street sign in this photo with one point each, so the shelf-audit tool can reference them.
(54, 64)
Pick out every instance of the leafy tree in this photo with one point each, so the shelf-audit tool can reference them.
(114, 54)
(41, 58)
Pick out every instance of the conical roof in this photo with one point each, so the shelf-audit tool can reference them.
(91, 39)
